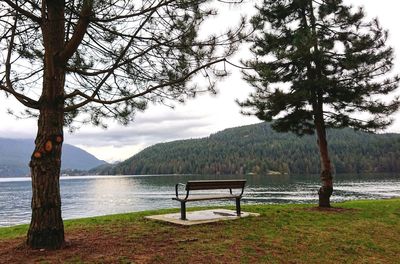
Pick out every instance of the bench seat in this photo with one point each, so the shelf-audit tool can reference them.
(193, 198)
(209, 185)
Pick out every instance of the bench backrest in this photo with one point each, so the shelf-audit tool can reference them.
(217, 184)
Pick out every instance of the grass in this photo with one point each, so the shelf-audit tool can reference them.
(358, 232)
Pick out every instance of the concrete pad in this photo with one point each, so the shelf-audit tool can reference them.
(201, 217)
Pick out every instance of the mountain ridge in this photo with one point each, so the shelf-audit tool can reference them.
(258, 149)
(15, 155)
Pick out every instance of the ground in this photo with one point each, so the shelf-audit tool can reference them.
(353, 232)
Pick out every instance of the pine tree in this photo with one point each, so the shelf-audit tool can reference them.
(88, 61)
(318, 65)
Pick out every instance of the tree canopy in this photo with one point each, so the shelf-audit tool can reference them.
(320, 53)
(117, 55)
(317, 65)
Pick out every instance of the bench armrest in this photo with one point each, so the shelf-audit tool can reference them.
(241, 193)
(176, 191)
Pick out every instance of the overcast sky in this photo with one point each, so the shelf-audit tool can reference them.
(199, 117)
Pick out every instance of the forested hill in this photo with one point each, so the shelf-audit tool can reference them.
(259, 149)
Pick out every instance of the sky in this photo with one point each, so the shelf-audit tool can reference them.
(198, 117)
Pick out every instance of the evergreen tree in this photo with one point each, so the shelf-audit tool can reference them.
(89, 60)
(318, 64)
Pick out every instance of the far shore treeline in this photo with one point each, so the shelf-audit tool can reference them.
(258, 149)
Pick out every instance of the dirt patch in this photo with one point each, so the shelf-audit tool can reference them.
(116, 245)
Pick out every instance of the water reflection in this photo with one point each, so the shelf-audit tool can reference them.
(96, 195)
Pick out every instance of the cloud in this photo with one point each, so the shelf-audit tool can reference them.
(150, 130)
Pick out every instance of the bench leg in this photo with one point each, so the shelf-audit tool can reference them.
(183, 211)
(238, 212)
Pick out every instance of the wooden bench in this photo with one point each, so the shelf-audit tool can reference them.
(209, 185)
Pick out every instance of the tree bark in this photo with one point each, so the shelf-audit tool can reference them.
(326, 189)
(46, 229)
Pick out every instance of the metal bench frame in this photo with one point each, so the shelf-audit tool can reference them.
(209, 185)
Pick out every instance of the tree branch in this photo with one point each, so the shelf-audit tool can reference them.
(20, 97)
(80, 30)
(149, 90)
(25, 100)
(115, 66)
(24, 12)
(142, 12)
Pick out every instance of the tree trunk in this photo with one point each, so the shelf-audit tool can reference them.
(326, 189)
(316, 74)
(46, 229)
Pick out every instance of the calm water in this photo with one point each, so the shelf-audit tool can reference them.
(100, 195)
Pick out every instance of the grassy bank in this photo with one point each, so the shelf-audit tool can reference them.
(354, 232)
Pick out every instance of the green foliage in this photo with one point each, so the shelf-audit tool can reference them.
(319, 61)
(258, 149)
(122, 57)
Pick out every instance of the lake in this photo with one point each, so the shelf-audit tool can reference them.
(84, 196)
